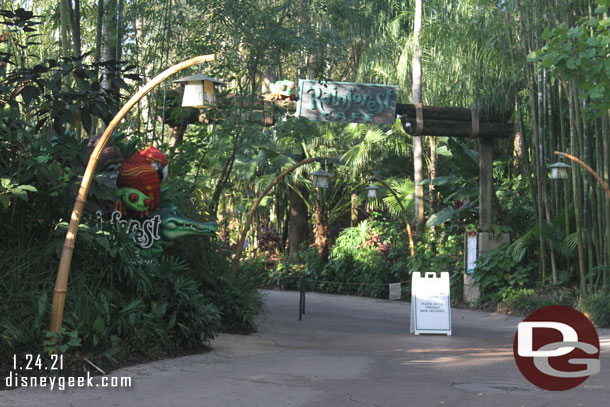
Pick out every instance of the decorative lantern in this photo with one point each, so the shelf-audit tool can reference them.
(320, 178)
(372, 190)
(199, 90)
(559, 170)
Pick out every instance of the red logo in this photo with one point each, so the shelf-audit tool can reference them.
(556, 348)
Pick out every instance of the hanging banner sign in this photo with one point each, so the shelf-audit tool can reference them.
(430, 304)
(347, 102)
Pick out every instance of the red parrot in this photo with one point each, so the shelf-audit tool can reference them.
(144, 171)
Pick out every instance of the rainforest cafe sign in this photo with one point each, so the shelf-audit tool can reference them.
(347, 102)
(145, 232)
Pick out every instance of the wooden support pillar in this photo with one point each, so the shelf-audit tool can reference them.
(485, 183)
(486, 241)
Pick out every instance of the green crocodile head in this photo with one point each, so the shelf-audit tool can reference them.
(134, 199)
(174, 225)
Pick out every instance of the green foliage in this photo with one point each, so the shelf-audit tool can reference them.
(234, 295)
(62, 340)
(580, 54)
(363, 260)
(597, 308)
(495, 270)
(526, 300)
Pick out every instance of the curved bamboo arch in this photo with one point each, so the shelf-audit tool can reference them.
(63, 271)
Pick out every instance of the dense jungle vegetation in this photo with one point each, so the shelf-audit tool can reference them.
(67, 67)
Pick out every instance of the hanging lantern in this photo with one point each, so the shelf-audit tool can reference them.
(320, 178)
(559, 170)
(199, 90)
(372, 190)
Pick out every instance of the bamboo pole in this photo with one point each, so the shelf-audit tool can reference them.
(240, 244)
(404, 213)
(61, 284)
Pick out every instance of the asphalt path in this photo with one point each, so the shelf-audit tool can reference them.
(347, 351)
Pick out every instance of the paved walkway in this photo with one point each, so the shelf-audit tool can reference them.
(347, 351)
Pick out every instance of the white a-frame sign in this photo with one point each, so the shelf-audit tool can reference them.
(430, 304)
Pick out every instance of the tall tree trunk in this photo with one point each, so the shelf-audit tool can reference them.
(98, 33)
(606, 175)
(109, 41)
(354, 210)
(576, 189)
(320, 228)
(433, 195)
(544, 127)
(119, 30)
(64, 15)
(416, 97)
(75, 25)
(225, 174)
(297, 225)
(537, 175)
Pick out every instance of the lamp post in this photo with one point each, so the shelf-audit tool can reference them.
(372, 193)
(63, 271)
(559, 170)
(606, 190)
(582, 164)
(199, 90)
(240, 244)
(320, 178)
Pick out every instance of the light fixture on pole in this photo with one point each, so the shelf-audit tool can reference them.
(559, 170)
(199, 90)
(320, 178)
(372, 191)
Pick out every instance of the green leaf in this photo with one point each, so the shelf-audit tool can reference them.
(443, 151)
(43, 159)
(440, 217)
(445, 180)
(30, 188)
(532, 56)
(575, 32)
(468, 192)
(5, 182)
(28, 93)
(546, 34)
(98, 325)
(20, 194)
(5, 201)
(597, 92)
(102, 241)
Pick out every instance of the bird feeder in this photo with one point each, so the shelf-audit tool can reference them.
(199, 90)
(320, 178)
(372, 191)
(559, 170)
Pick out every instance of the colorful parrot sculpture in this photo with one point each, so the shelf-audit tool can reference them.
(281, 90)
(139, 181)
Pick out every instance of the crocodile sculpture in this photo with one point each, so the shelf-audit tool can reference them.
(144, 208)
(174, 225)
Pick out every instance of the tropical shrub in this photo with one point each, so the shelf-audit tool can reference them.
(496, 269)
(597, 308)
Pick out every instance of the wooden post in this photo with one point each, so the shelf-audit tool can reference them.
(485, 183)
